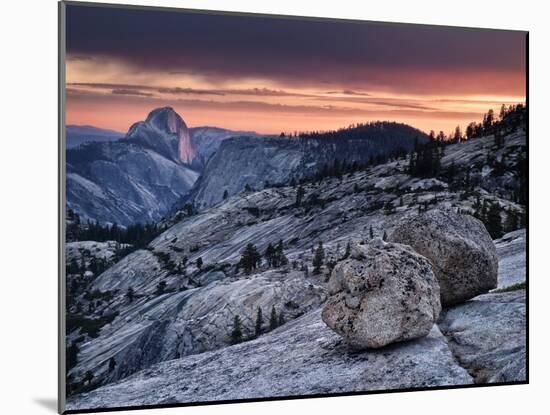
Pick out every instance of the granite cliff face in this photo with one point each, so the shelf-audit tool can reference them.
(139, 177)
(252, 162)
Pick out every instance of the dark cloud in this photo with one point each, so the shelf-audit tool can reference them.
(266, 92)
(291, 51)
(387, 102)
(78, 58)
(99, 85)
(179, 90)
(349, 92)
(131, 92)
(394, 103)
(265, 107)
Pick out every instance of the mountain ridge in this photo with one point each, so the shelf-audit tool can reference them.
(138, 177)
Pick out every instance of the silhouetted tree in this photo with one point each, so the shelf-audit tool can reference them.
(281, 318)
(250, 258)
(457, 135)
(299, 195)
(130, 294)
(112, 364)
(236, 332)
(88, 377)
(259, 322)
(348, 250)
(494, 221)
(273, 321)
(161, 287)
(512, 221)
(269, 254)
(72, 355)
(318, 258)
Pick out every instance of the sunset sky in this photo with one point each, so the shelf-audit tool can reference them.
(273, 74)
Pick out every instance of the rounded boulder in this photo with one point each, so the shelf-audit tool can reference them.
(381, 294)
(461, 251)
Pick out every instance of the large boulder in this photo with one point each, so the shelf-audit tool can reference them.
(381, 294)
(462, 253)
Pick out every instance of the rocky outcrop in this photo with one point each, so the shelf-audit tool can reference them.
(459, 247)
(207, 140)
(154, 328)
(83, 252)
(383, 293)
(512, 258)
(247, 162)
(488, 336)
(303, 357)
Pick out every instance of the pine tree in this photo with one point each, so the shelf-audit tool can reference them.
(457, 135)
(269, 254)
(318, 258)
(348, 250)
(250, 258)
(236, 333)
(199, 262)
(371, 232)
(299, 195)
(88, 377)
(130, 294)
(72, 355)
(225, 194)
(273, 322)
(494, 222)
(259, 322)
(281, 319)
(384, 236)
(470, 130)
(280, 258)
(512, 221)
(502, 114)
(112, 364)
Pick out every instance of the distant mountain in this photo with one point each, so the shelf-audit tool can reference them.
(207, 140)
(252, 162)
(139, 177)
(80, 134)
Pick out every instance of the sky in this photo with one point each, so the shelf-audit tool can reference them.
(272, 75)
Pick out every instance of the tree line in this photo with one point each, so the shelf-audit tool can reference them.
(138, 235)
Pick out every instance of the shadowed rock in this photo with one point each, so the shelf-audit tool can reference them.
(488, 336)
(462, 253)
(384, 293)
